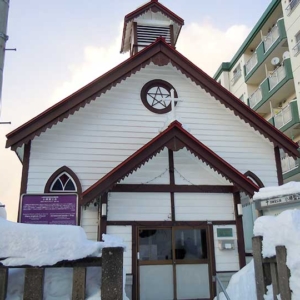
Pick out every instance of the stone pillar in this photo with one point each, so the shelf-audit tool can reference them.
(79, 277)
(112, 274)
(34, 284)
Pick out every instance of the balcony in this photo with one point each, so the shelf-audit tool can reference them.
(287, 119)
(275, 88)
(251, 63)
(276, 77)
(255, 98)
(271, 38)
(290, 168)
(292, 5)
(271, 42)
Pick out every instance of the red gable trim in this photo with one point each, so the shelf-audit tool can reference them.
(175, 138)
(154, 5)
(159, 53)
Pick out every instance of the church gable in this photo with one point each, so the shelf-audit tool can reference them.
(116, 124)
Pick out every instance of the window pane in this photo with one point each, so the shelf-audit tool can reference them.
(57, 186)
(64, 178)
(190, 244)
(155, 244)
(70, 186)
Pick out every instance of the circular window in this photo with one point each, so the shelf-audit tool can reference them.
(156, 96)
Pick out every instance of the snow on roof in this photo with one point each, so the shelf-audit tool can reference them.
(276, 191)
(38, 245)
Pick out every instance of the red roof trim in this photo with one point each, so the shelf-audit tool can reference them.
(160, 53)
(166, 139)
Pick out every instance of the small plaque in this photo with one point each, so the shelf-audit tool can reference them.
(224, 232)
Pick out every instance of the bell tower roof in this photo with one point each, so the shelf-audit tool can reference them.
(148, 22)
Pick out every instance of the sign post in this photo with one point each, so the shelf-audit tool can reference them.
(59, 209)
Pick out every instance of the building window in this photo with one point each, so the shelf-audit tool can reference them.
(64, 180)
(292, 5)
(63, 183)
(296, 49)
(237, 73)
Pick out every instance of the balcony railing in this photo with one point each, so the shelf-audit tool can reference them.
(272, 36)
(296, 49)
(251, 63)
(255, 98)
(283, 117)
(289, 163)
(277, 76)
(292, 6)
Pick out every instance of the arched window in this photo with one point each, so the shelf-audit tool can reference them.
(64, 180)
(63, 183)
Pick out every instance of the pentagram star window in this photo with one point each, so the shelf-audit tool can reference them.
(156, 96)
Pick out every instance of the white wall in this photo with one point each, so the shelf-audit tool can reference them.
(89, 221)
(226, 260)
(203, 207)
(124, 232)
(155, 171)
(190, 170)
(139, 207)
(105, 132)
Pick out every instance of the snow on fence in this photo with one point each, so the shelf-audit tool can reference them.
(271, 270)
(111, 279)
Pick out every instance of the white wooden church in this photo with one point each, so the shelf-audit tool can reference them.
(159, 154)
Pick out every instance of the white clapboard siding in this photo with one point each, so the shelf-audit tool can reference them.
(203, 207)
(156, 171)
(105, 132)
(139, 207)
(226, 260)
(190, 170)
(89, 221)
(125, 233)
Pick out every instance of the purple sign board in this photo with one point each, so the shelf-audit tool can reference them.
(59, 209)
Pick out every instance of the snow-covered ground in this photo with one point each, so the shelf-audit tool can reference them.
(283, 229)
(37, 245)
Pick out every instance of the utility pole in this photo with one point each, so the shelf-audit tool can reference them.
(4, 6)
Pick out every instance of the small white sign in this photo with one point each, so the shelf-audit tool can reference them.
(281, 200)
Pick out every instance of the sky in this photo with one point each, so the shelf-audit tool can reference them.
(64, 44)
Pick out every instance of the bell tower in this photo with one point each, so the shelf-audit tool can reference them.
(147, 23)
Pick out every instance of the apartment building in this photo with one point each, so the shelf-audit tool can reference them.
(265, 73)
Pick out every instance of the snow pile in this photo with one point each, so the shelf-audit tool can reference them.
(242, 285)
(2, 211)
(38, 245)
(283, 230)
(275, 191)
